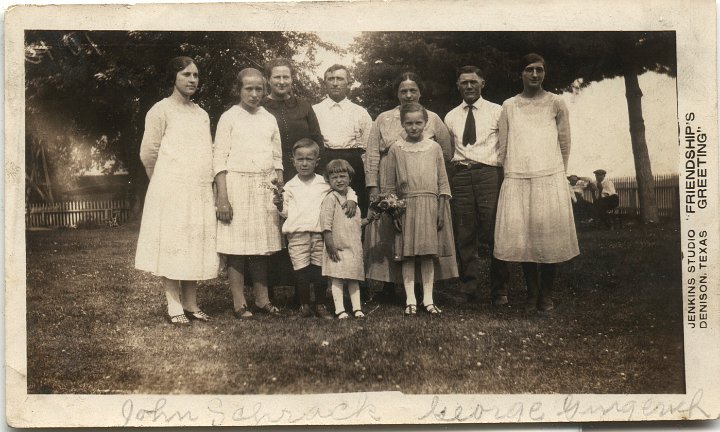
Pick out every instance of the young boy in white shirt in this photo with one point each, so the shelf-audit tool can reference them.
(300, 206)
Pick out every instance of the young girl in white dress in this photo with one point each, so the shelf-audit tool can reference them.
(343, 257)
(416, 173)
(177, 233)
(247, 161)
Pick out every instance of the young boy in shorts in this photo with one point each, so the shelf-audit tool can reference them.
(300, 206)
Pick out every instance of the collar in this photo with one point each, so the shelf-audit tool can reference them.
(409, 147)
(477, 104)
(341, 198)
(342, 104)
(292, 102)
(296, 180)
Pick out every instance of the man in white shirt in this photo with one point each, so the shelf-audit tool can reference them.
(605, 198)
(345, 127)
(582, 209)
(476, 175)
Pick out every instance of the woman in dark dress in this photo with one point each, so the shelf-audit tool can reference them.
(296, 118)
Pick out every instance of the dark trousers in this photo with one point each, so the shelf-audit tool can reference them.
(306, 276)
(354, 157)
(474, 205)
(582, 209)
(604, 205)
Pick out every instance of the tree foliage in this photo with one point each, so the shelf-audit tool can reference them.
(96, 86)
(574, 60)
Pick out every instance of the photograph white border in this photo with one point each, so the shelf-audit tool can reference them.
(694, 24)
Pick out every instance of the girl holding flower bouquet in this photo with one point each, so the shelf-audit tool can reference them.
(248, 171)
(416, 173)
(386, 131)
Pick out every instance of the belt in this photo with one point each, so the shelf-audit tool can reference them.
(469, 165)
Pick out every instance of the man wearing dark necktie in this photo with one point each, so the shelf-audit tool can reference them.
(475, 181)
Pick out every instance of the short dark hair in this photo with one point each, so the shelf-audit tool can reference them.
(529, 59)
(306, 143)
(408, 76)
(412, 107)
(338, 166)
(174, 66)
(471, 69)
(278, 62)
(337, 67)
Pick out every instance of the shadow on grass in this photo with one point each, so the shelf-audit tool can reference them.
(95, 325)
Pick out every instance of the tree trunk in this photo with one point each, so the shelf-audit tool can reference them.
(643, 170)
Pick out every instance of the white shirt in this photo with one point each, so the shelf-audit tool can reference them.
(608, 188)
(247, 143)
(579, 187)
(343, 124)
(302, 202)
(485, 149)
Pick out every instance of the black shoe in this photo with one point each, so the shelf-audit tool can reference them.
(197, 315)
(500, 300)
(322, 312)
(472, 298)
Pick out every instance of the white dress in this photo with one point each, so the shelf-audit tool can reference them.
(247, 146)
(346, 235)
(177, 233)
(534, 218)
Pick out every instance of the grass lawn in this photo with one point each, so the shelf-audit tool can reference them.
(95, 325)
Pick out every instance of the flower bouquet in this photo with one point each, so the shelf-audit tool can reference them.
(390, 204)
(276, 187)
(387, 203)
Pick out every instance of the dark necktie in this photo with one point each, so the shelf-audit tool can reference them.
(600, 188)
(469, 132)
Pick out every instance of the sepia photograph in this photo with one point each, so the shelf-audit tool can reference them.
(365, 224)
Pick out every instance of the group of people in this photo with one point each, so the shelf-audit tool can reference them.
(263, 191)
(604, 198)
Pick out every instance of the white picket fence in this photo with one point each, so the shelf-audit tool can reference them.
(71, 213)
(666, 193)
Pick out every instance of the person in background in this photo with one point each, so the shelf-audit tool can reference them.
(295, 117)
(300, 205)
(475, 177)
(296, 120)
(605, 198)
(582, 209)
(177, 232)
(247, 161)
(345, 128)
(535, 224)
(386, 131)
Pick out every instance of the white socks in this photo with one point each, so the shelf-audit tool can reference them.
(427, 271)
(336, 286)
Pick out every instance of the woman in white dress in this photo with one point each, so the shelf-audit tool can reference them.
(177, 233)
(535, 224)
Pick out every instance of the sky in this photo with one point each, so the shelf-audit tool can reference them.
(598, 119)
